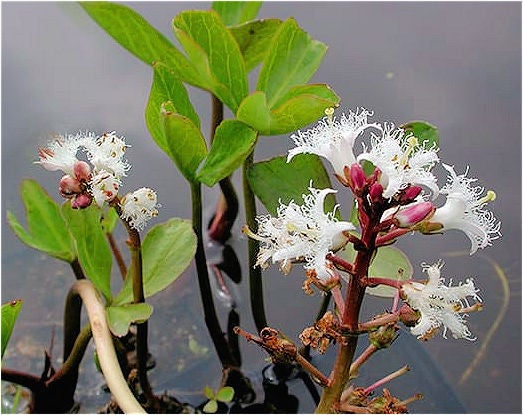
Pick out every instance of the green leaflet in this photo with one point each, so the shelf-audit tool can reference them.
(213, 51)
(233, 142)
(136, 35)
(10, 313)
(300, 106)
(182, 140)
(119, 318)
(46, 228)
(94, 253)
(236, 12)
(292, 59)
(276, 180)
(254, 39)
(167, 251)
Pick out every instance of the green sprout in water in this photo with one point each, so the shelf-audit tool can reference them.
(224, 395)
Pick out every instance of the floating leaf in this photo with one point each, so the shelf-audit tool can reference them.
(47, 230)
(254, 39)
(136, 35)
(213, 51)
(225, 394)
(10, 313)
(292, 59)
(236, 12)
(94, 253)
(276, 180)
(303, 104)
(233, 142)
(183, 142)
(424, 131)
(390, 262)
(119, 318)
(167, 251)
(210, 407)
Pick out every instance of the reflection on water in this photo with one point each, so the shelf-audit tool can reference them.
(455, 65)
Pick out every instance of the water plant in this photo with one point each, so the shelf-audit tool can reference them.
(390, 187)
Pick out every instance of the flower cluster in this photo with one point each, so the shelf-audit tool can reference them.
(390, 202)
(99, 176)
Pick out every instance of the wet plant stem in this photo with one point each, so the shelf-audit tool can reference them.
(71, 364)
(77, 269)
(255, 274)
(206, 295)
(105, 349)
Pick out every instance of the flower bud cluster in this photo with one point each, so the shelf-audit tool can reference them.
(99, 176)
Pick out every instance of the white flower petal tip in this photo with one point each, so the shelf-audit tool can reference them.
(60, 154)
(301, 232)
(139, 206)
(465, 210)
(333, 138)
(440, 305)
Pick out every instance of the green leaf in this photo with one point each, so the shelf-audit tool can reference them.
(292, 59)
(254, 39)
(225, 394)
(275, 179)
(208, 392)
(136, 35)
(303, 104)
(10, 313)
(426, 133)
(233, 142)
(94, 253)
(182, 141)
(210, 407)
(236, 12)
(212, 49)
(167, 87)
(47, 230)
(119, 318)
(390, 262)
(167, 251)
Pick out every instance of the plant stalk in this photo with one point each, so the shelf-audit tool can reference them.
(211, 319)
(255, 274)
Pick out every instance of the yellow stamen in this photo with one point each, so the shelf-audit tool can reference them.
(489, 197)
(329, 112)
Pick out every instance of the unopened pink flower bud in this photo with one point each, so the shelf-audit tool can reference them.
(357, 177)
(82, 171)
(375, 192)
(81, 201)
(411, 193)
(413, 214)
(69, 186)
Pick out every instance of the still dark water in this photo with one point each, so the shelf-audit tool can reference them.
(457, 65)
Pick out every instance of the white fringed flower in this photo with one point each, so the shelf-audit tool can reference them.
(439, 305)
(402, 160)
(301, 232)
(61, 154)
(465, 210)
(106, 153)
(140, 206)
(104, 187)
(333, 139)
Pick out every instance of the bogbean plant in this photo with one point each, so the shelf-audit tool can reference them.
(393, 190)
